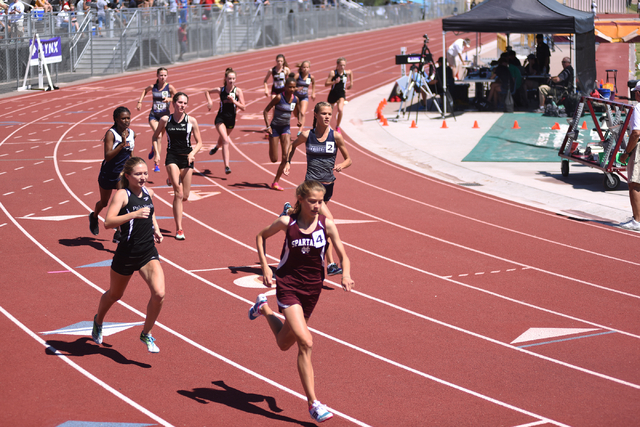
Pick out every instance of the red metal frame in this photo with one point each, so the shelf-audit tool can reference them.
(573, 127)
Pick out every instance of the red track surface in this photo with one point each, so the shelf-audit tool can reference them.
(446, 279)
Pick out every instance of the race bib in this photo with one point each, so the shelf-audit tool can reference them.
(278, 84)
(293, 106)
(232, 95)
(344, 78)
(331, 147)
(159, 107)
(308, 80)
(165, 94)
(318, 238)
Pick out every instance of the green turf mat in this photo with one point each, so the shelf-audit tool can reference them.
(533, 142)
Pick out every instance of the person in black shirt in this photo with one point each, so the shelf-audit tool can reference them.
(557, 85)
(543, 55)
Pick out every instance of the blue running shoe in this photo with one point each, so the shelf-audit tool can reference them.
(319, 412)
(333, 269)
(285, 210)
(150, 342)
(156, 168)
(254, 312)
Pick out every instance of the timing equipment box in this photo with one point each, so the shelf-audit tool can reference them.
(414, 58)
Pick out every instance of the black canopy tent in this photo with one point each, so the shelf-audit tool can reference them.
(534, 16)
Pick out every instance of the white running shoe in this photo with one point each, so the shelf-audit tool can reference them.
(150, 342)
(254, 311)
(632, 224)
(319, 412)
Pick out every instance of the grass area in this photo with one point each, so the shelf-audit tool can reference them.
(637, 45)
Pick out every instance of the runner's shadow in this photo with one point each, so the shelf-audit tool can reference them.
(245, 269)
(85, 347)
(86, 241)
(250, 185)
(239, 400)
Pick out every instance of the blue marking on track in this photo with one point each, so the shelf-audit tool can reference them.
(164, 217)
(566, 339)
(101, 424)
(106, 263)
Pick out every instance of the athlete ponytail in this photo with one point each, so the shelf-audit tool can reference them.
(316, 110)
(118, 111)
(226, 73)
(303, 191)
(131, 163)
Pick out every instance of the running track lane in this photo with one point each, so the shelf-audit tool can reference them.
(446, 279)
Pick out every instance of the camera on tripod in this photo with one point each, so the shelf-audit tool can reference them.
(416, 58)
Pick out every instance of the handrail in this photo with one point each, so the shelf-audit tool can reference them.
(77, 37)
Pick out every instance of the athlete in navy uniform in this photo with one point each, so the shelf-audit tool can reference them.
(305, 89)
(322, 144)
(298, 280)
(162, 92)
(132, 210)
(119, 142)
(340, 80)
(280, 127)
(180, 153)
(231, 98)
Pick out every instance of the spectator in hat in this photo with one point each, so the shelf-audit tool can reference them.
(558, 84)
(454, 57)
(633, 166)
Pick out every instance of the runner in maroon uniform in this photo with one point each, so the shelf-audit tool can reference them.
(299, 278)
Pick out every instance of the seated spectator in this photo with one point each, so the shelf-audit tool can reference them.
(531, 69)
(557, 85)
(45, 5)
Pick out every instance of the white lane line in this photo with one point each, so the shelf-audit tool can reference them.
(37, 163)
(84, 371)
(62, 203)
(46, 209)
(86, 194)
(70, 173)
(28, 186)
(88, 167)
(7, 194)
(17, 169)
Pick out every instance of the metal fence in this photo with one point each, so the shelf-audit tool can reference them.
(602, 6)
(133, 39)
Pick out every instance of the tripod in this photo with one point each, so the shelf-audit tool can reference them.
(419, 81)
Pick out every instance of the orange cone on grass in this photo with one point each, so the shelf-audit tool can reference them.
(556, 126)
(584, 125)
(475, 125)
(515, 125)
(413, 124)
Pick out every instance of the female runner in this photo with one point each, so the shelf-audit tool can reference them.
(321, 143)
(162, 92)
(180, 153)
(304, 80)
(280, 127)
(132, 210)
(339, 79)
(279, 73)
(119, 142)
(231, 98)
(299, 280)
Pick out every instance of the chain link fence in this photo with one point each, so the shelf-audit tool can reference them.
(134, 39)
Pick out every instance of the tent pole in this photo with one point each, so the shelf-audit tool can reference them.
(572, 51)
(444, 74)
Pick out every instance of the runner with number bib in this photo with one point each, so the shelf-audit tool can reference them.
(340, 80)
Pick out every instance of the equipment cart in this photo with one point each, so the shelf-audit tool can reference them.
(612, 130)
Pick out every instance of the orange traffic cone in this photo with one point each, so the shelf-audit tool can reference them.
(385, 122)
(584, 125)
(384, 102)
(413, 124)
(444, 125)
(475, 125)
(515, 125)
(556, 126)
(379, 115)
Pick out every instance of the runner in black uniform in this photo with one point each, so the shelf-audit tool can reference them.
(279, 74)
(304, 83)
(119, 142)
(132, 210)
(162, 92)
(231, 98)
(180, 153)
(321, 143)
(284, 105)
(339, 79)
(299, 280)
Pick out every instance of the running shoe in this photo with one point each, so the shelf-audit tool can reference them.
(213, 151)
(117, 236)
(319, 412)
(96, 332)
(150, 342)
(151, 153)
(94, 226)
(276, 186)
(632, 224)
(333, 269)
(180, 235)
(285, 209)
(254, 312)
(156, 168)
(338, 130)
(227, 170)
(169, 183)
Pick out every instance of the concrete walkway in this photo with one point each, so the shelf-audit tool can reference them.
(438, 152)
